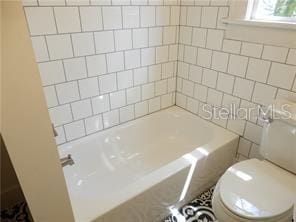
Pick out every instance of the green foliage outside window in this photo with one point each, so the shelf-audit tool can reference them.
(285, 8)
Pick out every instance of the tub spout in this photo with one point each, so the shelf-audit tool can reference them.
(67, 160)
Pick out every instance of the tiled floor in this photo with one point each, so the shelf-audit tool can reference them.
(198, 210)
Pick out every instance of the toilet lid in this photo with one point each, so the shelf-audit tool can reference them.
(255, 189)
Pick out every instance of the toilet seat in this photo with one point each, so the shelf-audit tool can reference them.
(255, 190)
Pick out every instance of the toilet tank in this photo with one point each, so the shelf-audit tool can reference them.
(278, 144)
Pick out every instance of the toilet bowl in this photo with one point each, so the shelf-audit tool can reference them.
(263, 190)
(255, 190)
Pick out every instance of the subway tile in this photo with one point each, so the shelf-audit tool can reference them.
(133, 95)
(123, 39)
(59, 46)
(192, 105)
(140, 76)
(202, 2)
(236, 125)
(173, 49)
(161, 87)
(243, 88)
(126, 113)
(141, 109)
(121, 2)
(60, 114)
(222, 14)
(40, 20)
(132, 58)
(93, 124)
(74, 130)
(263, 94)
(166, 101)
(96, 65)
(50, 96)
(107, 83)
(231, 46)
(214, 97)
(190, 54)
(81, 109)
(277, 54)
(51, 3)
(155, 36)
(140, 38)
(181, 100)
(51, 72)
(225, 83)
(220, 61)
(67, 92)
(100, 2)
(111, 118)
(252, 49)
(117, 99)
(162, 54)
(104, 41)
(112, 18)
(40, 48)
(282, 75)
(115, 61)
(291, 57)
(185, 35)
(237, 65)
(183, 70)
(175, 15)
(77, 2)
(204, 57)
(169, 35)
(188, 88)
(75, 68)
(125, 79)
(193, 16)
(154, 73)
(163, 15)
(195, 73)
(214, 39)
(83, 44)
(258, 70)
(167, 70)
(67, 19)
(210, 78)
(230, 101)
(29, 2)
(183, 16)
(88, 87)
(147, 16)
(199, 37)
(253, 132)
(91, 18)
(147, 91)
(154, 105)
(131, 16)
(209, 17)
(100, 104)
(200, 92)
(148, 56)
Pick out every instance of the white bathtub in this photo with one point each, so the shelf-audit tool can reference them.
(145, 169)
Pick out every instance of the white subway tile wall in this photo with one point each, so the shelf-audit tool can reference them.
(105, 62)
(228, 72)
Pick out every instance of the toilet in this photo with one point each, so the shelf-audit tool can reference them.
(263, 190)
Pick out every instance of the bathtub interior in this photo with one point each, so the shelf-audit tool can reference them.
(125, 160)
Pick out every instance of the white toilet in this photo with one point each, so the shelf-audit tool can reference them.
(255, 190)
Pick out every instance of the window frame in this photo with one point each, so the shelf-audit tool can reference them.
(252, 10)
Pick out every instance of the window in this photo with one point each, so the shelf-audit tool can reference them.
(272, 10)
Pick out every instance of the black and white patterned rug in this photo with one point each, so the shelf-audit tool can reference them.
(198, 210)
(18, 213)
